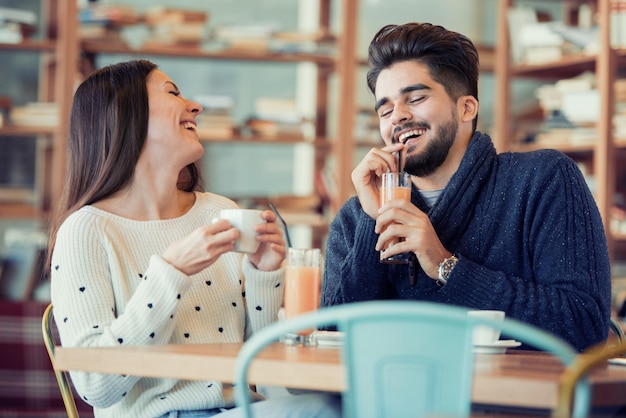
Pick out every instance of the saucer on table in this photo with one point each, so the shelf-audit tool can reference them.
(496, 347)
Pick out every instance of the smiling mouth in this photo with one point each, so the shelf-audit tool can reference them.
(189, 126)
(407, 135)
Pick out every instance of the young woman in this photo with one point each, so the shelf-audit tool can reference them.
(136, 258)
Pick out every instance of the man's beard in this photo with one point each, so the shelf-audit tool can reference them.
(426, 162)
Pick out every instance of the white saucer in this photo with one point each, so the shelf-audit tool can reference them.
(497, 347)
(329, 338)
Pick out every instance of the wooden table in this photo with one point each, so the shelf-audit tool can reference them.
(517, 379)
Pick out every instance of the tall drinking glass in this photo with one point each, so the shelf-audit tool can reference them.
(395, 186)
(302, 290)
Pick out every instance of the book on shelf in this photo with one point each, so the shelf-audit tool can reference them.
(517, 18)
(277, 109)
(102, 22)
(16, 24)
(571, 102)
(273, 129)
(536, 54)
(276, 117)
(215, 126)
(35, 114)
(108, 14)
(158, 15)
(216, 120)
(540, 43)
(565, 137)
(253, 37)
(213, 132)
(11, 14)
(581, 106)
(617, 22)
(170, 25)
(585, 39)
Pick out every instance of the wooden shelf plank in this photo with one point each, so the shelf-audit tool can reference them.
(319, 143)
(19, 211)
(20, 195)
(99, 47)
(568, 65)
(12, 130)
(31, 45)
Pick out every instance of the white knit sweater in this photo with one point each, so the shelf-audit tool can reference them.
(110, 287)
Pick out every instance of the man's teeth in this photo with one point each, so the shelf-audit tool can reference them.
(189, 125)
(416, 132)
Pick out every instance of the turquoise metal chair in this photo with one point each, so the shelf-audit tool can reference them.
(403, 358)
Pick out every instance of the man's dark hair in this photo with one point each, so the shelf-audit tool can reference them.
(452, 59)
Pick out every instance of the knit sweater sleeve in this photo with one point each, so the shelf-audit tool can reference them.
(564, 282)
(352, 270)
(264, 292)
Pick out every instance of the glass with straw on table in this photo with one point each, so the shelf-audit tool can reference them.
(302, 285)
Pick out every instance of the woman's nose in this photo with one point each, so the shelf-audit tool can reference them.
(194, 107)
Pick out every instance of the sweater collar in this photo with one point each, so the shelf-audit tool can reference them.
(454, 208)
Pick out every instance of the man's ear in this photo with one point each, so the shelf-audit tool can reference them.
(468, 108)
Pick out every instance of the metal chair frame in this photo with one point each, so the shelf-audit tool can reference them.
(410, 339)
(577, 372)
(62, 377)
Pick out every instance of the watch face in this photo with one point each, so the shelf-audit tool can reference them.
(446, 267)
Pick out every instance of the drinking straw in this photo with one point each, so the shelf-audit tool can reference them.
(283, 222)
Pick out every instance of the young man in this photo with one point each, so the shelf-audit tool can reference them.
(518, 232)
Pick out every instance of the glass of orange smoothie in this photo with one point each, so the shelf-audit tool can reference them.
(395, 186)
(302, 289)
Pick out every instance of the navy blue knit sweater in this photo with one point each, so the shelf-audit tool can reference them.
(529, 238)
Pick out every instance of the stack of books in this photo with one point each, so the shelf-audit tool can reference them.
(278, 117)
(536, 42)
(617, 19)
(16, 24)
(244, 37)
(571, 109)
(216, 121)
(176, 26)
(37, 114)
(102, 22)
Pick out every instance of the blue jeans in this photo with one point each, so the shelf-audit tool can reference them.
(290, 406)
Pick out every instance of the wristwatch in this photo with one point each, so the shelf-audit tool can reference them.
(445, 268)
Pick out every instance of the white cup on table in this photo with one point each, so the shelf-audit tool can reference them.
(245, 220)
(483, 334)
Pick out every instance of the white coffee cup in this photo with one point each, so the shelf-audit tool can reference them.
(483, 334)
(245, 220)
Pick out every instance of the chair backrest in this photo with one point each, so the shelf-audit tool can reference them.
(618, 331)
(577, 372)
(403, 358)
(62, 378)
